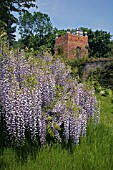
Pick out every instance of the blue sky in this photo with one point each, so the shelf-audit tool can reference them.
(94, 14)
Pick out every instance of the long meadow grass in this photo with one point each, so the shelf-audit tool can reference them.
(94, 152)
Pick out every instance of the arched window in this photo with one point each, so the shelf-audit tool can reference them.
(78, 52)
(60, 50)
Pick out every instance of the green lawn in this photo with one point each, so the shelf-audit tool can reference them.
(95, 151)
(106, 111)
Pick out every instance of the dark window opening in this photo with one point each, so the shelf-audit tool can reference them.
(78, 52)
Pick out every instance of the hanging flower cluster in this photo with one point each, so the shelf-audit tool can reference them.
(40, 98)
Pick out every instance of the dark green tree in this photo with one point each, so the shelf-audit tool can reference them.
(99, 43)
(34, 24)
(6, 16)
(36, 30)
(111, 46)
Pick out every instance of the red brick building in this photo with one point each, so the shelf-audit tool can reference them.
(73, 45)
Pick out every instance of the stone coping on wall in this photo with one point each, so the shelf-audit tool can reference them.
(91, 60)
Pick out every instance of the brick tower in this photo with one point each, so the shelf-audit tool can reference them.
(73, 45)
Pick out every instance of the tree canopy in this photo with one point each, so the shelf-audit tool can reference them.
(99, 43)
(36, 23)
(6, 16)
(36, 30)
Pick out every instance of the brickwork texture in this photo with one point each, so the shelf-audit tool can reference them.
(74, 46)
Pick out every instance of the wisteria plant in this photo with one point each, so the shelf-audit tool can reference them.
(39, 97)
